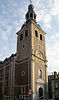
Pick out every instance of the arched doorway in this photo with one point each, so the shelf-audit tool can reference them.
(40, 92)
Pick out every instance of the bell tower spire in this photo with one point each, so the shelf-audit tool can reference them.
(30, 15)
(31, 66)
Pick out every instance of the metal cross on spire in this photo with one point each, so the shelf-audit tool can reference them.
(30, 1)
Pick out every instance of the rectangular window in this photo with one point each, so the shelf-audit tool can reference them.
(57, 94)
(23, 89)
(56, 85)
(1, 76)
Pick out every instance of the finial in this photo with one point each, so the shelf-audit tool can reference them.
(30, 1)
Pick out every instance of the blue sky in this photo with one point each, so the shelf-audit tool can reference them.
(12, 16)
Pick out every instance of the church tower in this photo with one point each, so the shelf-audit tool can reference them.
(31, 63)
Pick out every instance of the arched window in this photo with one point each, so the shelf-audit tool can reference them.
(40, 73)
(34, 16)
(31, 15)
(39, 54)
(21, 37)
(26, 33)
(36, 33)
(41, 37)
(27, 16)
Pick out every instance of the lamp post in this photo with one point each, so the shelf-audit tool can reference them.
(46, 81)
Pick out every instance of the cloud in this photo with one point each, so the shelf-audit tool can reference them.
(47, 21)
(40, 15)
(46, 11)
(55, 37)
(0, 55)
(43, 12)
(55, 8)
(53, 54)
(3, 35)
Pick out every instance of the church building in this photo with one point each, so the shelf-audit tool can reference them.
(25, 73)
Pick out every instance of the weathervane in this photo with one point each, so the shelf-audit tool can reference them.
(30, 1)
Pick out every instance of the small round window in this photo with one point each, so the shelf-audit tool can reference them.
(23, 73)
